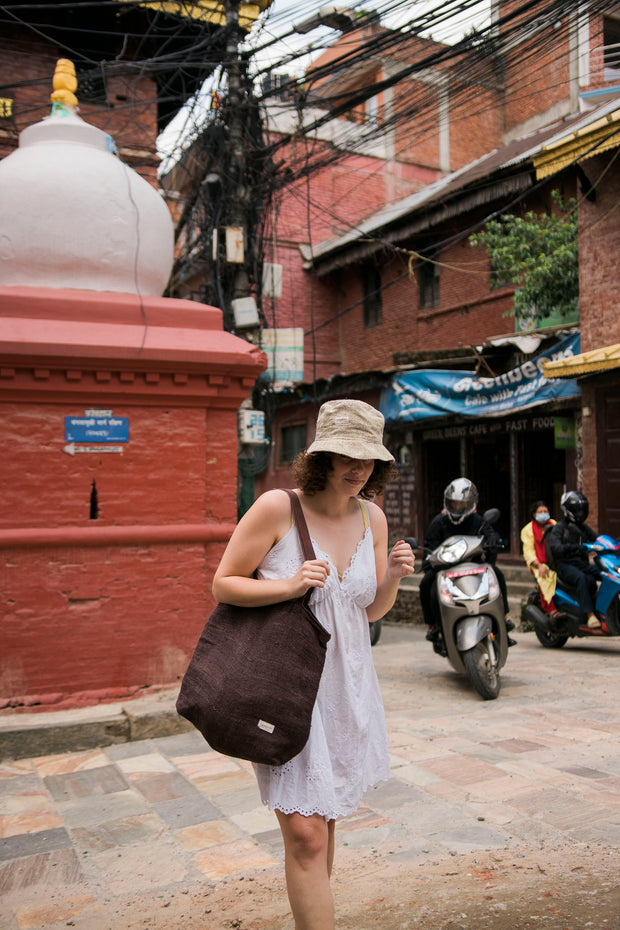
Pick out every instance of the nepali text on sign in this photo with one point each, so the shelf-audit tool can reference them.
(96, 429)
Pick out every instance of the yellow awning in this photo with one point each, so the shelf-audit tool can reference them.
(587, 363)
(207, 10)
(582, 143)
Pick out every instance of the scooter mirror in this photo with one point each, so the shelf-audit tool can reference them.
(491, 516)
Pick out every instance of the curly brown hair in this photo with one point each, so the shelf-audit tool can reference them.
(311, 471)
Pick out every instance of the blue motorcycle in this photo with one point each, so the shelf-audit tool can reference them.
(553, 632)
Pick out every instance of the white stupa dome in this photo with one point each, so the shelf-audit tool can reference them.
(73, 215)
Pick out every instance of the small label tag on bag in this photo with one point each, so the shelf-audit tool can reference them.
(267, 727)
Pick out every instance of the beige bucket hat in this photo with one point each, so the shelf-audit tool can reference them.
(352, 428)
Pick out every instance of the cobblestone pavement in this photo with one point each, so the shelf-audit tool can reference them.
(165, 832)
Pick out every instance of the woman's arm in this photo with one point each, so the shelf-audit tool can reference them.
(529, 549)
(390, 569)
(266, 522)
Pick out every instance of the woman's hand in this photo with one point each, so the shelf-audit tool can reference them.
(543, 570)
(401, 560)
(312, 574)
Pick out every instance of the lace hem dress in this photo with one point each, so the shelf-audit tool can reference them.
(347, 750)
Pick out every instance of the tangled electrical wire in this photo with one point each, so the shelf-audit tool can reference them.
(162, 59)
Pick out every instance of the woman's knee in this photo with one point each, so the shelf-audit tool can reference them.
(305, 838)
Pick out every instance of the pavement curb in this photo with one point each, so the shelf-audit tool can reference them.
(39, 734)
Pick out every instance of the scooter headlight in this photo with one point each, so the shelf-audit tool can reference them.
(493, 586)
(453, 552)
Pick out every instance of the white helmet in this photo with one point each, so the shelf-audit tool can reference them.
(460, 499)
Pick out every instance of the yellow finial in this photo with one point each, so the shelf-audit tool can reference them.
(65, 83)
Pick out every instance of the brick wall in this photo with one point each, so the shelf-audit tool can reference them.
(159, 478)
(589, 463)
(89, 622)
(467, 313)
(130, 116)
(537, 79)
(336, 204)
(84, 625)
(599, 247)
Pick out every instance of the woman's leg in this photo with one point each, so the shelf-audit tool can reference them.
(331, 837)
(309, 852)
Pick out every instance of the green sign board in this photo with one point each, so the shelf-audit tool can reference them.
(564, 433)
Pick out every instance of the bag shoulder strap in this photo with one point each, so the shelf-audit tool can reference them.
(302, 528)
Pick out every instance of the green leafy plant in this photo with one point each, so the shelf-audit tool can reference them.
(539, 253)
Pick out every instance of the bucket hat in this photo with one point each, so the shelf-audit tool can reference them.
(352, 428)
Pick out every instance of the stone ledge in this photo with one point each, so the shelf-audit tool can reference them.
(39, 734)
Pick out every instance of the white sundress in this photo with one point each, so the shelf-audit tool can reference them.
(347, 750)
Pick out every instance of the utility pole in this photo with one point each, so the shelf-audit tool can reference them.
(237, 196)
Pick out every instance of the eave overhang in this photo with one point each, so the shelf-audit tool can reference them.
(586, 363)
(584, 142)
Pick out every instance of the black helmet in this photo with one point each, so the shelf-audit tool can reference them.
(575, 506)
(460, 499)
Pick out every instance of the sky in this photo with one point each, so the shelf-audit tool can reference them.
(449, 23)
(277, 47)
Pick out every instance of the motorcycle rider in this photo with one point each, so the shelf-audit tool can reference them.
(571, 561)
(459, 515)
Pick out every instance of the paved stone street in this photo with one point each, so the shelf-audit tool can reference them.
(165, 833)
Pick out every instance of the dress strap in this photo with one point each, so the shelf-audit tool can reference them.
(364, 514)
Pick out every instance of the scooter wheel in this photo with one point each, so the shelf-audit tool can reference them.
(548, 639)
(482, 669)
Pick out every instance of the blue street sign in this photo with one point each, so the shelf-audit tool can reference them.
(96, 429)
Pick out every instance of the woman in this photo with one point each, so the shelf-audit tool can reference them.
(534, 553)
(354, 582)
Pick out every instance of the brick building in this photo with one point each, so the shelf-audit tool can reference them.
(402, 288)
(597, 367)
(390, 153)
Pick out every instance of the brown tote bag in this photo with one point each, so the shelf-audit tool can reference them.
(252, 681)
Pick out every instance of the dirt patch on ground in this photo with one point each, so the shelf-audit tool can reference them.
(558, 889)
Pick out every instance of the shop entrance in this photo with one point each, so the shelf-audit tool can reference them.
(512, 463)
(442, 464)
(489, 466)
(541, 474)
(608, 428)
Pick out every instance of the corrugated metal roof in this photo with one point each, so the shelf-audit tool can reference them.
(583, 142)
(587, 363)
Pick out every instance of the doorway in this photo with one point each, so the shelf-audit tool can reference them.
(489, 466)
(442, 464)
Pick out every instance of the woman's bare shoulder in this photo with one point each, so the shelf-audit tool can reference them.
(273, 506)
(274, 499)
(375, 514)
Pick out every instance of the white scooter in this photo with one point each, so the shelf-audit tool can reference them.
(473, 635)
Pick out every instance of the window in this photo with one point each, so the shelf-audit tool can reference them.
(292, 442)
(6, 107)
(373, 301)
(91, 85)
(428, 281)
(611, 49)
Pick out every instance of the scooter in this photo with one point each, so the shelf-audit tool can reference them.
(473, 635)
(571, 620)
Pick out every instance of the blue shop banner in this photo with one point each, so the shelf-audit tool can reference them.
(426, 393)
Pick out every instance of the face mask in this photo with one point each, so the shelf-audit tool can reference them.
(542, 517)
